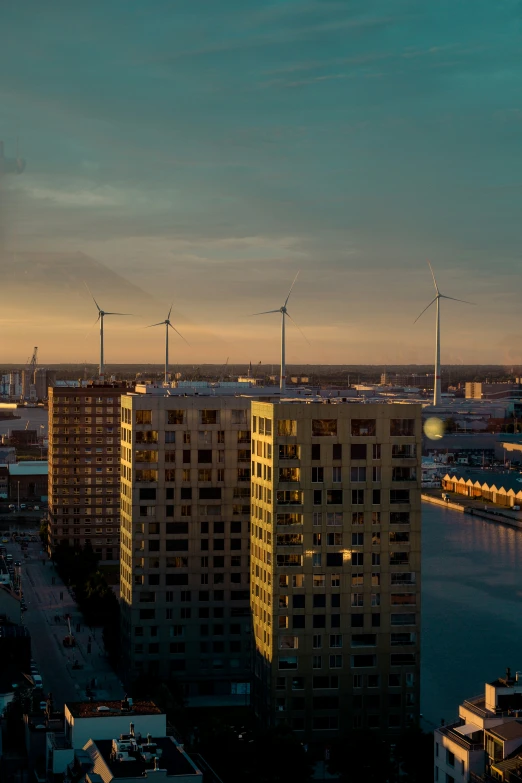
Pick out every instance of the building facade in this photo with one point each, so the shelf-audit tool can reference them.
(185, 515)
(84, 467)
(485, 743)
(335, 565)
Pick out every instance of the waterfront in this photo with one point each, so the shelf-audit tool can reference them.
(472, 608)
(35, 417)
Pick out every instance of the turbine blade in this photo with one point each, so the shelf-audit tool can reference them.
(94, 300)
(464, 301)
(288, 297)
(426, 308)
(298, 327)
(172, 305)
(117, 313)
(265, 312)
(433, 275)
(179, 333)
(161, 323)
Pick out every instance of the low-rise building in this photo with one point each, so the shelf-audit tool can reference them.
(501, 489)
(28, 480)
(485, 743)
(116, 739)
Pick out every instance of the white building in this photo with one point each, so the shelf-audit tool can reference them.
(485, 744)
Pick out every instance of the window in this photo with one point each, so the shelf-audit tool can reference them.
(318, 497)
(358, 451)
(363, 427)
(324, 427)
(402, 427)
(399, 496)
(357, 599)
(357, 539)
(357, 474)
(316, 559)
(399, 537)
(363, 661)
(450, 758)
(337, 451)
(399, 517)
(334, 539)
(288, 662)
(334, 497)
(404, 474)
(176, 417)
(376, 451)
(403, 451)
(317, 641)
(336, 640)
(403, 599)
(209, 417)
(336, 475)
(376, 473)
(357, 497)
(286, 427)
(143, 417)
(318, 580)
(317, 662)
(317, 475)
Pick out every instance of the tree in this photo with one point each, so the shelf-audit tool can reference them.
(414, 752)
(361, 755)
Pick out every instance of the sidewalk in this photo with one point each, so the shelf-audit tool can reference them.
(45, 603)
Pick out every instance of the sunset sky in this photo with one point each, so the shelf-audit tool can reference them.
(207, 150)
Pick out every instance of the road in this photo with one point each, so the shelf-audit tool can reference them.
(46, 601)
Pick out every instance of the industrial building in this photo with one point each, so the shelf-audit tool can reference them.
(335, 565)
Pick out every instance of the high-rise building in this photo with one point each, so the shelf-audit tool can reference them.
(84, 467)
(185, 516)
(335, 565)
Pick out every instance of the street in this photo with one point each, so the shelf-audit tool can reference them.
(45, 603)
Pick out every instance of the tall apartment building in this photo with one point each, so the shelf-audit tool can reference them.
(84, 467)
(335, 565)
(185, 516)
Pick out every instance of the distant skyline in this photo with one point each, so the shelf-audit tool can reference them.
(205, 152)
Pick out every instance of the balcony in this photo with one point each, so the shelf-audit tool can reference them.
(460, 739)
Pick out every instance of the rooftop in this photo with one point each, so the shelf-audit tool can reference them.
(138, 763)
(91, 709)
(508, 731)
(29, 468)
(509, 480)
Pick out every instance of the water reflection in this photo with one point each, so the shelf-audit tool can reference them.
(471, 611)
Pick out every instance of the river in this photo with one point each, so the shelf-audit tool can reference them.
(35, 417)
(471, 608)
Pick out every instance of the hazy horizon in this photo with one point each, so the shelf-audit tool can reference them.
(204, 153)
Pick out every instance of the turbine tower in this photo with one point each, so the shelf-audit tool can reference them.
(101, 316)
(167, 323)
(437, 393)
(284, 314)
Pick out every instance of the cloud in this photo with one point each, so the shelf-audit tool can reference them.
(207, 154)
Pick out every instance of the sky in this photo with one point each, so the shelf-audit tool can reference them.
(204, 152)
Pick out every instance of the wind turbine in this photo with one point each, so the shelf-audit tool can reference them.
(101, 316)
(438, 296)
(284, 314)
(167, 323)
